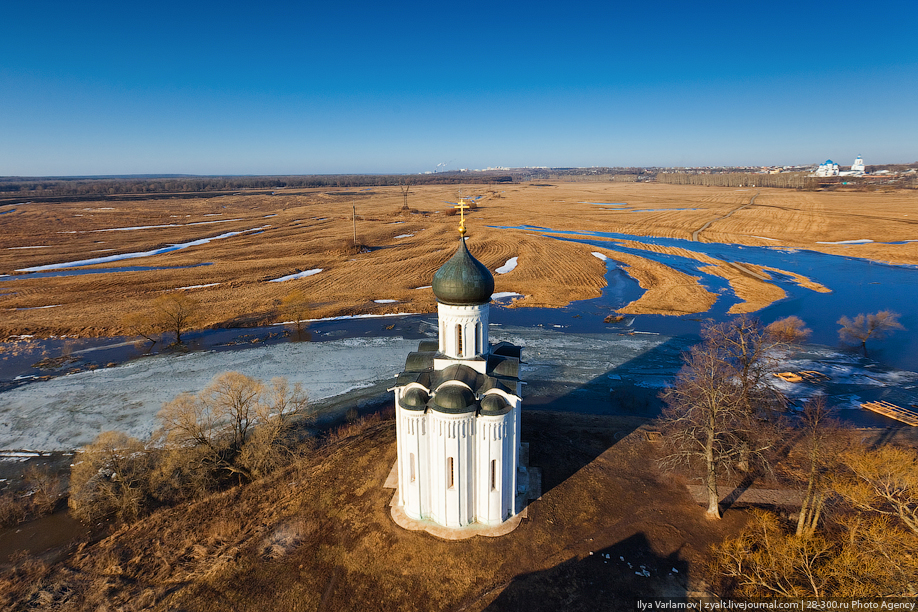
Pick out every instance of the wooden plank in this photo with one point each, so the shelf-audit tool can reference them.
(903, 415)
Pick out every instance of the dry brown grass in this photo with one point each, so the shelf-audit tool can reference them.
(313, 229)
(319, 536)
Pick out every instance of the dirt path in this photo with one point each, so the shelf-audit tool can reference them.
(708, 224)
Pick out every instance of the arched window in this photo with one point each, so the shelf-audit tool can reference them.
(459, 340)
(450, 474)
(493, 474)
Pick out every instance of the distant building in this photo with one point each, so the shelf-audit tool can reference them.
(858, 166)
(829, 168)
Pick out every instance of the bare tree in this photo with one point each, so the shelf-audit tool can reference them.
(706, 420)
(821, 447)
(108, 478)
(764, 561)
(176, 312)
(235, 422)
(745, 347)
(884, 481)
(295, 307)
(144, 324)
(863, 556)
(789, 330)
(866, 326)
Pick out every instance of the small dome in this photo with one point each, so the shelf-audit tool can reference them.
(463, 280)
(493, 405)
(414, 399)
(454, 398)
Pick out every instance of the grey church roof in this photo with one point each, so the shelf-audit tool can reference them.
(456, 387)
(463, 280)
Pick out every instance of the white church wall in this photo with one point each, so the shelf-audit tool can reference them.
(494, 468)
(451, 467)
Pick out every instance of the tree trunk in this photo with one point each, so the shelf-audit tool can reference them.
(711, 478)
(806, 508)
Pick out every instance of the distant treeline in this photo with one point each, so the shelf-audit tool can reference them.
(794, 180)
(790, 180)
(51, 187)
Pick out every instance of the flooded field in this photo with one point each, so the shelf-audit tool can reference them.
(565, 258)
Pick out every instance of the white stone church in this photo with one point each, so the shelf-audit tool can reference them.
(458, 407)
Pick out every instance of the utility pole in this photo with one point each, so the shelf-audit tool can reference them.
(355, 226)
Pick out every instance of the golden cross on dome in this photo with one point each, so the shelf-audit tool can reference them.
(462, 206)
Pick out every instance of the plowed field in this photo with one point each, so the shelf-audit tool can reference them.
(272, 236)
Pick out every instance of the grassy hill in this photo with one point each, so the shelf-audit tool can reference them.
(318, 536)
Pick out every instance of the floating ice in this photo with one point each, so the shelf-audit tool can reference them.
(296, 276)
(600, 256)
(507, 267)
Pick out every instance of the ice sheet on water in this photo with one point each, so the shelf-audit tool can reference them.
(69, 411)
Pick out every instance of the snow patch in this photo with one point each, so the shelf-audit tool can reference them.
(505, 294)
(194, 287)
(404, 236)
(507, 267)
(296, 276)
(385, 301)
(136, 255)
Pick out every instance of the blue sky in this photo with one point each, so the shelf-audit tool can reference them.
(277, 88)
